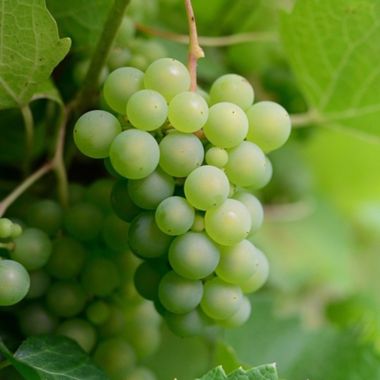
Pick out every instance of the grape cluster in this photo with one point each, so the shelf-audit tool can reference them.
(80, 271)
(187, 164)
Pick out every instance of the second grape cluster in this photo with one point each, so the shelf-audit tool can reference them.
(188, 164)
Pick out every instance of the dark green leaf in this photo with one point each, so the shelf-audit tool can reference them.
(333, 48)
(30, 49)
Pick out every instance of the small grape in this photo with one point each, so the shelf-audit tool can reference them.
(115, 232)
(99, 192)
(97, 312)
(5, 228)
(94, 132)
(259, 277)
(216, 156)
(240, 316)
(134, 154)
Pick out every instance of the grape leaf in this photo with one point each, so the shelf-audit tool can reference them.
(263, 372)
(30, 49)
(82, 20)
(54, 358)
(333, 48)
(215, 374)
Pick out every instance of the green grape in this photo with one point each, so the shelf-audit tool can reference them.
(110, 170)
(115, 232)
(204, 94)
(189, 324)
(39, 284)
(146, 239)
(148, 276)
(65, 299)
(67, 258)
(33, 249)
(147, 110)
(227, 125)
(127, 263)
(115, 356)
(237, 262)
(94, 132)
(140, 373)
(180, 154)
(240, 316)
(99, 193)
(259, 277)
(115, 323)
(80, 331)
(150, 49)
(14, 284)
(125, 33)
(76, 193)
(100, 277)
(81, 69)
(83, 221)
(134, 154)
(246, 165)
(179, 295)
(118, 57)
(269, 125)
(188, 112)
(148, 192)
(142, 314)
(193, 255)
(174, 216)
(139, 61)
(120, 85)
(168, 76)
(228, 223)
(16, 230)
(121, 203)
(206, 187)
(220, 300)
(144, 339)
(35, 319)
(216, 156)
(254, 207)
(199, 223)
(98, 312)
(5, 228)
(45, 215)
(234, 89)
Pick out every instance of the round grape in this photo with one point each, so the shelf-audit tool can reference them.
(240, 316)
(216, 156)
(259, 277)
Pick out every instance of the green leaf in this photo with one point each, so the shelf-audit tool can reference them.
(47, 90)
(30, 49)
(333, 48)
(264, 372)
(215, 374)
(82, 20)
(54, 358)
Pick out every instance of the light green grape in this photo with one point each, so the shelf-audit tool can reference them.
(120, 85)
(174, 216)
(115, 356)
(118, 57)
(67, 258)
(240, 316)
(180, 154)
(228, 223)
(98, 312)
(237, 262)
(199, 223)
(234, 89)
(147, 110)
(206, 187)
(140, 373)
(94, 132)
(146, 239)
(254, 207)
(32, 249)
(269, 125)
(121, 203)
(148, 192)
(179, 295)
(259, 277)
(80, 331)
(83, 221)
(188, 112)
(246, 165)
(150, 49)
(65, 299)
(193, 255)
(168, 76)
(220, 300)
(16, 230)
(216, 156)
(188, 324)
(14, 284)
(5, 228)
(100, 277)
(227, 125)
(115, 232)
(134, 154)
(144, 339)
(45, 215)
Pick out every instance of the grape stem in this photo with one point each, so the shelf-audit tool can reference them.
(29, 134)
(195, 51)
(233, 39)
(302, 120)
(289, 212)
